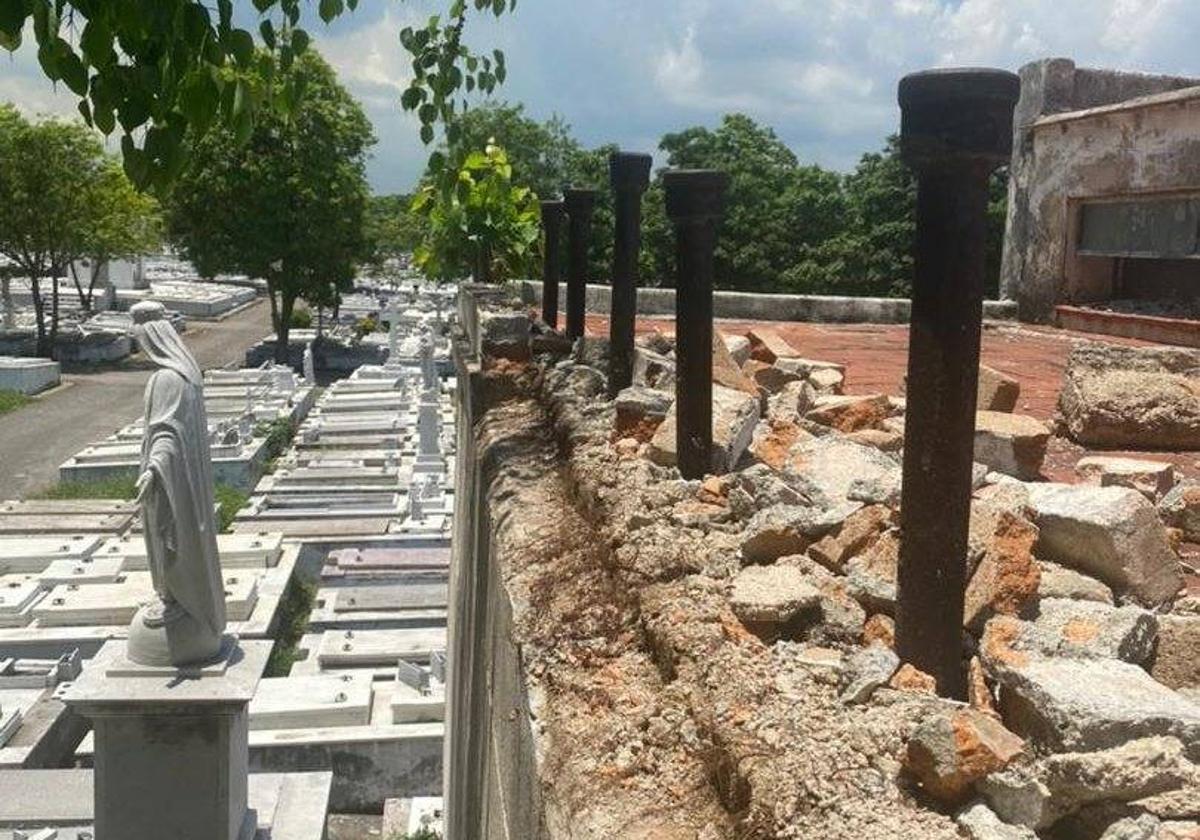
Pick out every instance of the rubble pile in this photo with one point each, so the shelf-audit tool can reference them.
(765, 596)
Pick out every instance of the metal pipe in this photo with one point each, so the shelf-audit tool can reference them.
(580, 205)
(552, 214)
(630, 176)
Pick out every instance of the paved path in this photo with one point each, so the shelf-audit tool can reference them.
(35, 439)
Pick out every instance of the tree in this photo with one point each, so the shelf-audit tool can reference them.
(393, 230)
(543, 155)
(287, 206)
(482, 225)
(158, 69)
(48, 172)
(120, 223)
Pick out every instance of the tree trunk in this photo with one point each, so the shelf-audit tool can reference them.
(54, 312)
(39, 314)
(83, 298)
(6, 296)
(286, 305)
(91, 290)
(274, 305)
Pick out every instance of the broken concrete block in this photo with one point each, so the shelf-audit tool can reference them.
(1060, 582)
(949, 752)
(640, 410)
(735, 414)
(857, 534)
(866, 670)
(850, 413)
(1110, 532)
(774, 438)
(1078, 629)
(913, 679)
(832, 464)
(1116, 397)
(882, 439)
(1153, 479)
(1144, 827)
(1092, 704)
(1019, 797)
(727, 372)
(827, 380)
(781, 531)
(1180, 508)
(792, 402)
(979, 822)
(593, 351)
(653, 370)
(738, 347)
(771, 597)
(766, 345)
(883, 489)
(1177, 654)
(997, 391)
(1014, 444)
(871, 576)
(505, 335)
(1006, 577)
(880, 629)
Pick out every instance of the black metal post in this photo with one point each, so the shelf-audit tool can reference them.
(580, 205)
(695, 204)
(956, 127)
(630, 175)
(552, 213)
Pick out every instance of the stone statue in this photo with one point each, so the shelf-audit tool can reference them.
(185, 624)
(310, 372)
(429, 377)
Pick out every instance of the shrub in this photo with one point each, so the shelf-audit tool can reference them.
(365, 326)
(297, 603)
(301, 318)
(231, 501)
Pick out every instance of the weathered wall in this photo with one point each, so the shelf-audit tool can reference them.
(1056, 164)
(750, 306)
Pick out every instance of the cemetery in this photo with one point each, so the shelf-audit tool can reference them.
(726, 489)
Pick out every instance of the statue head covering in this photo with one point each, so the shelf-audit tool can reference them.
(161, 343)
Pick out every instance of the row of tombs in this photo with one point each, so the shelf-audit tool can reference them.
(341, 556)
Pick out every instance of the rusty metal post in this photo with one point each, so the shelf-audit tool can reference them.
(956, 127)
(580, 205)
(630, 175)
(552, 213)
(695, 204)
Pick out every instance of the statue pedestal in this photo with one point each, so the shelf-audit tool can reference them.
(172, 752)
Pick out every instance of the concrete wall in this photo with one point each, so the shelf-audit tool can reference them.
(1055, 165)
(749, 306)
(491, 786)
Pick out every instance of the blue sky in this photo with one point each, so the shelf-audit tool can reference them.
(821, 72)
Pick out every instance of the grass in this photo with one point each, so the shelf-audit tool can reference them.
(297, 603)
(124, 487)
(12, 400)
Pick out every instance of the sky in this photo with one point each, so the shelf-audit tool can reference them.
(822, 73)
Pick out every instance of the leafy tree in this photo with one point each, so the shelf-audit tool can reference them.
(121, 223)
(393, 230)
(482, 224)
(49, 171)
(287, 206)
(158, 68)
(544, 155)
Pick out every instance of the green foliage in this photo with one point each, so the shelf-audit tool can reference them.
(122, 487)
(288, 205)
(230, 501)
(301, 318)
(392, 229)
(12, 400)
(279, 434)
(419, 834)
(478, 221)
(297, 604)
(544, 156)
(365, 326)
(155, 71)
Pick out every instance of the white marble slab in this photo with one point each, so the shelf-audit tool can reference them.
(295, 702)
(365, 648)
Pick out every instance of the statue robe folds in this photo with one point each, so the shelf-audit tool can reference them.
(186, 625)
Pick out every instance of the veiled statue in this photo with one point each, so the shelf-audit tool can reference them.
(184, 625)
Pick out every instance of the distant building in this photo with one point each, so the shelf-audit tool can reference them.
(1104, 196)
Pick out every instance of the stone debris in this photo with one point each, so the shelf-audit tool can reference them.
(997, 391)
(768, 346)
(871, 576)
(1060, 582)
(879, 628)
(1180, 508)
(951, 751)
(980, 822)
(1013, 444)
(850, 413)
(727, 372)
(827, 380)
(882, 439)
(858, 533)
(1074, 629)
(1110, 532)
(738, 347)
(791, 403)
(769, 379)
(1091, 704)
(1176, 661)
(832, 464)
(1153, 479)
(1116, 397)
(771, 596)
(1006, 576)
(505, 335)
(912, 678)
(866, 670)
(735, 414)
(773, 438)
(653, 369)
(640, 410)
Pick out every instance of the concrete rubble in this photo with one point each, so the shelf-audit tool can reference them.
(750, 615)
